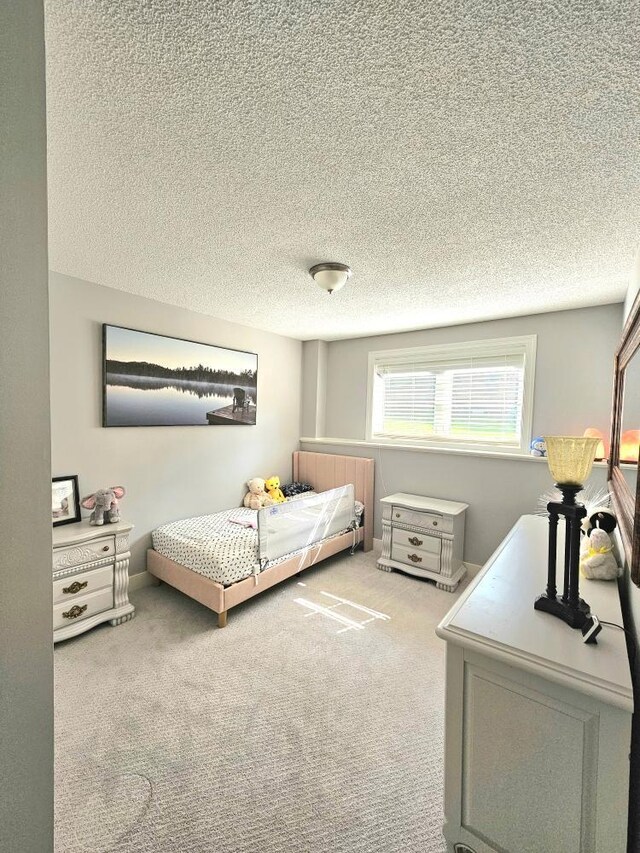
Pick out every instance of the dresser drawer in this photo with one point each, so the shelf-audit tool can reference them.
(82, 607)
(414, 557)
(85, 552)
(400, 515)
(67, 589)
(417, 541)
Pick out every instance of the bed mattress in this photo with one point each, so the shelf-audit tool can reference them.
(214, 546)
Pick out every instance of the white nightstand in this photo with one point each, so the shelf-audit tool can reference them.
(90, 577)
(424, 537)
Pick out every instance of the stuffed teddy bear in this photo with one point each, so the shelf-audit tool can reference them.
(104, 504)
(272, 485)
(256, 497)
(597, 561)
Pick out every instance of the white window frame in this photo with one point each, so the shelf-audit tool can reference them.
(491, 346)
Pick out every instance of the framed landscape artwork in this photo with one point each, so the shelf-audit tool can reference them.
(154, 380)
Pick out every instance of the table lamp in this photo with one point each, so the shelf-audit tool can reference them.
(591, 432)
(629, 445)
(570, 461)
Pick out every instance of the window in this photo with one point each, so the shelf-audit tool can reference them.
(477, 395)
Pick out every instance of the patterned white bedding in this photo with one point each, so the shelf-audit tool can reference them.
(213, 546)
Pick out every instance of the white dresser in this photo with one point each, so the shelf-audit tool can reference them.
(425, 537)
(538, 724)
(90, 577)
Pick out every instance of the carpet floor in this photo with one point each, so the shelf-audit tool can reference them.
(307, 725)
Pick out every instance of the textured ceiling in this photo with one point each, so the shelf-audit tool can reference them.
(469, 160)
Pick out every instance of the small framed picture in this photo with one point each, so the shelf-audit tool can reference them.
(65, 500)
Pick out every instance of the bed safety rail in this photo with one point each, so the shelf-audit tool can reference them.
(297, 524)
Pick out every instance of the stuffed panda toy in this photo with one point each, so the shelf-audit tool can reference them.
(601, 517)
(597, 560)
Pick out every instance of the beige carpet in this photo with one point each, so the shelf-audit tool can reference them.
(293, 729)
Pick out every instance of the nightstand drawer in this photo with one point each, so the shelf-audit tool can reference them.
(417, 541)
(69, 588)
(430, 521)
(85, 552)
(82, 607)
(416, 558)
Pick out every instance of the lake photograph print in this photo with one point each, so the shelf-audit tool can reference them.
(154, 380)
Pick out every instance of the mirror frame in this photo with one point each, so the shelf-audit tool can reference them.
(626, 505)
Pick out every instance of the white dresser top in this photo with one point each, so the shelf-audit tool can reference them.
(72, 534)
(425, 504)
(495, 616)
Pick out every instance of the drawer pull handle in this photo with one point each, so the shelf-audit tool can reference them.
(414, 558)
(75, 612)
(106, 547)
(413, 540)
(76, 586)
(397, 515)
(435, 523)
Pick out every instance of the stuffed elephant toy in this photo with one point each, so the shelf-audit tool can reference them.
(104, 504)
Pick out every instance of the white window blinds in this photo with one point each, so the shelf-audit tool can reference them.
(468, 393)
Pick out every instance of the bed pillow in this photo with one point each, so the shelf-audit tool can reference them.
(292, 489)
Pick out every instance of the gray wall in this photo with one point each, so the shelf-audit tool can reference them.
(573, 368)
(314, 377)
(169, 472)
(26, 661)
(498, 491)
(572, 391)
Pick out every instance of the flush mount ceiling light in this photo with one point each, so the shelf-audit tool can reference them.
(330, 276)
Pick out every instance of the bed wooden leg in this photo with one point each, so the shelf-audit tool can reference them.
(222, 619)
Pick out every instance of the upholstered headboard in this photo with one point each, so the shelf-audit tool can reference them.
(326, 471)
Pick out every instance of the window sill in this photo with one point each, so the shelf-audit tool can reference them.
(455, 451)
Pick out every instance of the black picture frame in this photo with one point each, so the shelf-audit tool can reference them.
(149, 379)
(65, 500)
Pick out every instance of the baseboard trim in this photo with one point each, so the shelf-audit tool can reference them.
(140, 580)
(472, 568)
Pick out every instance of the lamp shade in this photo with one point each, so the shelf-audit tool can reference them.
(629, 444)
(330, 276)
(570, 458)
(595, 433)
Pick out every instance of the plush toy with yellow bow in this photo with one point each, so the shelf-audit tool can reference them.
(272, 485)
(597, 560)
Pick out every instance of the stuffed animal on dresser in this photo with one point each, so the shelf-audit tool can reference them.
(602, 517)
(272, 485)
(257, 497)
(597, 560)
(104, 504)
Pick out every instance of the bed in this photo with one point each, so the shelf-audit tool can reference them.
(190, 555)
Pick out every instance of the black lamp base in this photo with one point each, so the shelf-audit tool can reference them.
(575, 617)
